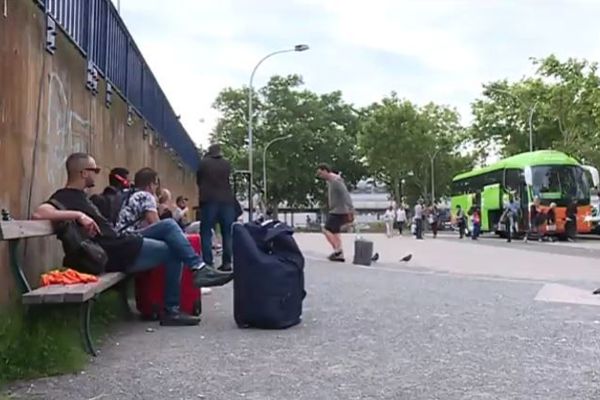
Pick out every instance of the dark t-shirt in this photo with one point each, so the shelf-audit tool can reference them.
(122, 250)
(166, 214)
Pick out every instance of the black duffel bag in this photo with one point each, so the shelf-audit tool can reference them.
(268, 284)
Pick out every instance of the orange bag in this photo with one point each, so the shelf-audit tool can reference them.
(66, 277)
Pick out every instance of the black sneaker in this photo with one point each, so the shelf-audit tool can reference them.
(225, 268)
(208, 276)
(337, 256)
(179, 319)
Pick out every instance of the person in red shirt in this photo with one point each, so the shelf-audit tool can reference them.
(476, 217)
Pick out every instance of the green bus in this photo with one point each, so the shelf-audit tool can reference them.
(549, 175)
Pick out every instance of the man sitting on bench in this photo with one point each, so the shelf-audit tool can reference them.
(131, 253)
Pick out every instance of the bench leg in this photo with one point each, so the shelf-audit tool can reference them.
(86, 335)
(123, 289)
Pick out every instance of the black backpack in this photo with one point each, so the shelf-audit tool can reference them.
(82, 253)
(109, 203)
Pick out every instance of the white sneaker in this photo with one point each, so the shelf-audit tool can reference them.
(205, 291)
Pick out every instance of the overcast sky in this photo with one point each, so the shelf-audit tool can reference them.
(426, 50)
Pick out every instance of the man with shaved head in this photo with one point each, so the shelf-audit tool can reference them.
(162, 243)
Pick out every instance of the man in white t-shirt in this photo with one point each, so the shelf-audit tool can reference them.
(401, 218)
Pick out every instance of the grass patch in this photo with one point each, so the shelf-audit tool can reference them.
(45, 340)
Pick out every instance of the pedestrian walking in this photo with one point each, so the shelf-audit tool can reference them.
(509, 218)
(341, 210)
(401, 218)
(433, 219)
(571, 225)
(388, 219)
(460, 221)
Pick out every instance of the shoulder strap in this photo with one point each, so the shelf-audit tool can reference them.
(57, 204)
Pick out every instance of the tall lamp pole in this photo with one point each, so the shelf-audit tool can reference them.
(277, 139)
(531, 111)
(298, 47)
(432, 159)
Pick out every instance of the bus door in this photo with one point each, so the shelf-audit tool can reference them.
(514, 181)
(523, 194)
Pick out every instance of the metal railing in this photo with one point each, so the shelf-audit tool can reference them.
(98, 31)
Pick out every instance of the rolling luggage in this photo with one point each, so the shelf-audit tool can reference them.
(150, 288)
(363, 249)
(268, 269)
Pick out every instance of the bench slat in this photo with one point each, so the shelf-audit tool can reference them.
(77, 293)
(10, 230)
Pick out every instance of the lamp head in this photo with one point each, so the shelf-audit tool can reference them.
(301, 47)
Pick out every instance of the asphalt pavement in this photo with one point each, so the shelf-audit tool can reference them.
(457, 322)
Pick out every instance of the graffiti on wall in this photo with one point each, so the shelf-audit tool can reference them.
(67, 132)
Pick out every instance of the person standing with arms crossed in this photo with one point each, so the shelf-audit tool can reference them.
(341, 210)
(217, 204)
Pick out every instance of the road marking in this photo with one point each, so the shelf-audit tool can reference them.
(557, 293)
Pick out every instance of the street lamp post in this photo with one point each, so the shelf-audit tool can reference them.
(432, 159)
(299, 47)
(277, 139)
(402, 183)
(531, 111)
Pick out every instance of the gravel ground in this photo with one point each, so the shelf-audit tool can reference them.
(458, 322)
(368, 333)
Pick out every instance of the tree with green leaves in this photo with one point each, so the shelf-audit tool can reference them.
(562, 101)
(401, 141)
(322, 128)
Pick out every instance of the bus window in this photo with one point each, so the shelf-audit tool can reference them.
(513, 179)
(561, 182)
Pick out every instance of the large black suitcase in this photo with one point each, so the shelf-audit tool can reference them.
(268, 269)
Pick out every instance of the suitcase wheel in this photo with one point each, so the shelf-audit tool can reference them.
(197, 310)
(155, 316)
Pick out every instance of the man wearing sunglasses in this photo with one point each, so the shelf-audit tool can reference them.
(163, 243)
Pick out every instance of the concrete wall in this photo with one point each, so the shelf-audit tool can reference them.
(46, 113)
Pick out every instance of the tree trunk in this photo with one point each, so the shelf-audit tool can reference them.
(396, 192)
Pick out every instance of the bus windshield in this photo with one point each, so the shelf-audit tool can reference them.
(560, 183)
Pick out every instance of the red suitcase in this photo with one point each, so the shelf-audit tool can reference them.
(150, 288)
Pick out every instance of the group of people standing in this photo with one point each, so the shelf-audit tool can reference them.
(396, 218)
(539, 222)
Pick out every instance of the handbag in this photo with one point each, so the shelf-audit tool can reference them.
(81, 252)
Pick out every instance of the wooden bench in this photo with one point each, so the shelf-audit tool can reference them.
(14, 232)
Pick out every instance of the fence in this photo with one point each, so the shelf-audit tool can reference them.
(98, 31)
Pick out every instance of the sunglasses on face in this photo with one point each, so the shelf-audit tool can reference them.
(94, 170)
